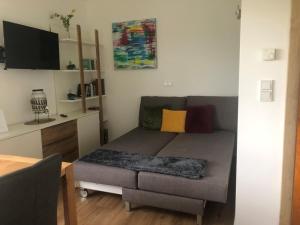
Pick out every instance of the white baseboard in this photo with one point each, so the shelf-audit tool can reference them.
(99, 187)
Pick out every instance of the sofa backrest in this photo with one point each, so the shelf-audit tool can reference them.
(226, 110)
(175, 103)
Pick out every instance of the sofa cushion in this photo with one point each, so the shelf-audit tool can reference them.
(226, 110)
(95, 173)
(199, 119)
(141, 140)
(217, 148)
(173, 121)
(152, 117)
(138, 140)
(175, 103)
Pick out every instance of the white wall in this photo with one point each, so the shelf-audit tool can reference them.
(198, 47)
(16, 85)
(265, 24)
(198, 50)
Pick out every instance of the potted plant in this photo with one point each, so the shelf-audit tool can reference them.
(65, 19)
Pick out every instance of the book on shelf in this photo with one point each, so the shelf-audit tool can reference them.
(91, 89)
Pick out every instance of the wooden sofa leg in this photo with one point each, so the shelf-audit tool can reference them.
(200, 215)
(127, 206)
(199, 219)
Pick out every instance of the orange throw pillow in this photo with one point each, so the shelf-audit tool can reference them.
(173, 121)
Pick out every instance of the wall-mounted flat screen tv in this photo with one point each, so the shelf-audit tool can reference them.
(30, 48)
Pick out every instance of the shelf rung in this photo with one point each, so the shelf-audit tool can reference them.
(79, 99)
(74, 41)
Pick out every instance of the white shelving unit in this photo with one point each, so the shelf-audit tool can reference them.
(67, 80)
(77, 71)
(79, 99)
(74, 41)
(75, 50)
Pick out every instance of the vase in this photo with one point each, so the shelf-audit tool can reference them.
(39, 101)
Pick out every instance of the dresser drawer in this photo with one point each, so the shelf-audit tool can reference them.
(61, 139)
(71, 156)
(62, 147)
(59, 132)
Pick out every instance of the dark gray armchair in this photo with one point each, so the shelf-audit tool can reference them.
(29, 196)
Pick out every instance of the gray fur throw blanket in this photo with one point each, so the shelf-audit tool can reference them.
(175, 166)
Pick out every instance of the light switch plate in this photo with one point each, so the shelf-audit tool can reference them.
(3, 124)
(168, 84)
(266, 84)
(266, 96)
(266, 90)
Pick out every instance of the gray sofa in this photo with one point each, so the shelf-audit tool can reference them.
(165, 191)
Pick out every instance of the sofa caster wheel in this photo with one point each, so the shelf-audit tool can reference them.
(83, 193)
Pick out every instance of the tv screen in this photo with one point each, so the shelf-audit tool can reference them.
(30, 48)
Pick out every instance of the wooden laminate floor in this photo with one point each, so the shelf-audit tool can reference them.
(108, 209)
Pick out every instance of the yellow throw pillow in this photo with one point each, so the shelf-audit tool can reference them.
(173, 121)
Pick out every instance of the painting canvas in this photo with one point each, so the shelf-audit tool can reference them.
(135, 45)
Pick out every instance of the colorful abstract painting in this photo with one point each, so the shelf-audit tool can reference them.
(135, 44)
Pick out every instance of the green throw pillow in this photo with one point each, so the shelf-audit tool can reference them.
(152, 118)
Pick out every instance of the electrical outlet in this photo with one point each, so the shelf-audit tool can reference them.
(168, 84)
(269, 54)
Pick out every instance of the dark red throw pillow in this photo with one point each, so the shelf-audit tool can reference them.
(199, 119)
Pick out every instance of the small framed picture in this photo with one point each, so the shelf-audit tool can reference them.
(3, 124)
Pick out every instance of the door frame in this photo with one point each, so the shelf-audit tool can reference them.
(290, 196)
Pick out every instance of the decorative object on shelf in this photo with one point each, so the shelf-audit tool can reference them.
(91, 89)
(135, 44)
(65, 19)
(39, 106)
(88, 64)
(72, 96)
(39, 101)
(95, 84)
(71, 66)
(88, 90)
(3, 124)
